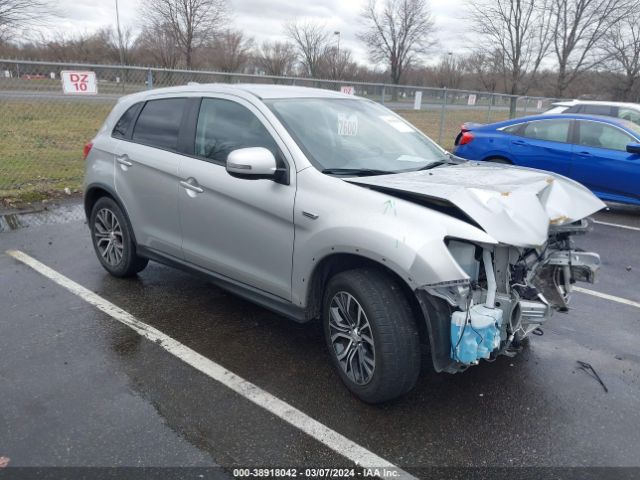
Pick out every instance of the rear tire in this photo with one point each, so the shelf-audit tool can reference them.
(504, 161)
(371, 334)
(112, 238)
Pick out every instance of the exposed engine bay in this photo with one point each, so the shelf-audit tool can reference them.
(511, 291)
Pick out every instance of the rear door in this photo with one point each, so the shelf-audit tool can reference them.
(602, 163)
(543, 144)
(146, 174)
(240, 228)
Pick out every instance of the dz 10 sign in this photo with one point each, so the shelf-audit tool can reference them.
(79, 82)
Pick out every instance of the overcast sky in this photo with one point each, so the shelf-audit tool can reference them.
(263, 19)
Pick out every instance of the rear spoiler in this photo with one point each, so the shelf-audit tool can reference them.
(468, 126)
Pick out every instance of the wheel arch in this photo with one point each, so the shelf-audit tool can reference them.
(95, 192)
(499, 156)
(335, 263)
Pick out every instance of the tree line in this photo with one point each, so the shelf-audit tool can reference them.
(557, 48)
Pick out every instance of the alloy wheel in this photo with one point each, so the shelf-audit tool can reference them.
(351, 338)
(108, 236)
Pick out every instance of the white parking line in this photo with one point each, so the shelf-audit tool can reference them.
(617, 225)
(330, 438)
(606, 296)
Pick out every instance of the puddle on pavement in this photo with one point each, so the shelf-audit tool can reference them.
(53, 214)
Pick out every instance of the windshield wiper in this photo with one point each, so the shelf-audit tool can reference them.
(434, 164)
(361, 172)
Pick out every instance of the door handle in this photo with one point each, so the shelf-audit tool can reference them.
(585, 154)
(124, 160)
(519, 142)
(190, 186)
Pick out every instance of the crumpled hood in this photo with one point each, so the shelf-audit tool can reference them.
(514, 205)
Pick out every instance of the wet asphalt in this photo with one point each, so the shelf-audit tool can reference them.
(78, 388)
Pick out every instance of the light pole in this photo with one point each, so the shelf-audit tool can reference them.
(336, 62)
(120, 43)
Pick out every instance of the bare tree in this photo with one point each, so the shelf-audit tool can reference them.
(485, 67)
(276, 58)
(157, 44)
(397, 33)
(20, 14)
(192, 22)
(337, 64)
(230, 51)
(623, 47)
(449, 71)
(311, 40)
(520, 30)
(580, 27)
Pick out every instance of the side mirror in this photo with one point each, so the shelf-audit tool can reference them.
(633, 148)
(253, 162)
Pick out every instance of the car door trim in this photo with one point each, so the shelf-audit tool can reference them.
(265, 299)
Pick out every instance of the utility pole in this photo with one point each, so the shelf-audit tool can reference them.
(120, 43)
(337, 59)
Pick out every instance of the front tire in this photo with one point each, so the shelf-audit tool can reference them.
(371, 334)
(113, 239)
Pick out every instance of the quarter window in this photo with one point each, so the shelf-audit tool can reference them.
(121, 130)
(550, 130)
(159, 123)
(595, 134)
(597, 110)
(224, 126)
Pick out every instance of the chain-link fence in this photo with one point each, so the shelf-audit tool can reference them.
(43, 130)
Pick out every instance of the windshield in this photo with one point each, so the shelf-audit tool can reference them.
(351, 135)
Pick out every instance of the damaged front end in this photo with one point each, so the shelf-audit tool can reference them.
(510, 293)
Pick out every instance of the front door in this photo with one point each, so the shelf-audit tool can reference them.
(237, 227)
(602, 163)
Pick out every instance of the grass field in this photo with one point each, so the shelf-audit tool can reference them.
(41, 142)
(41, 147)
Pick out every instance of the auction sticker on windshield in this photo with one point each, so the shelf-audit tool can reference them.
(347, 125)
(79, 82)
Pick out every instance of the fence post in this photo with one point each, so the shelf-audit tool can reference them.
(526, 104)
(491, 99)
(149, 79)
(383, 94)
(442, 116)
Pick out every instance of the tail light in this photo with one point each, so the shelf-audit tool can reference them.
(86, 150)
(466, 137)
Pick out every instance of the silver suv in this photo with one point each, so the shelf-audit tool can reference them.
(320, 205)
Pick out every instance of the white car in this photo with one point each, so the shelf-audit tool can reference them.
(626, 111)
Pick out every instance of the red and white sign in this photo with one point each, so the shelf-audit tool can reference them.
(79, 82)
(472, 99)
(349, 90)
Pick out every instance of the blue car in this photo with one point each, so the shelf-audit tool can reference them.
(603, 153)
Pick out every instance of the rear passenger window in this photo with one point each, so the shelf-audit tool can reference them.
(121, 130)
(629, 114)
(550, 130)
(159, 123)
(224, 126)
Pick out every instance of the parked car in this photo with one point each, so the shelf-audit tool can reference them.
(602, 153)
(625, 111)
(320, 205)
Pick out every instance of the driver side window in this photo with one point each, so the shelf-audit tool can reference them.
(224, 126)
